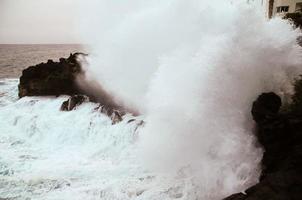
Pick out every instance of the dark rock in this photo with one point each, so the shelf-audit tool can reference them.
(66, 77)
(131, 120)
(266, 106)
(238, 196)
(141, 123)
(115, 115)
(49, 62)
(295, 18)
(73, 102)
(51, 78)
(281, 137)
(296, 105)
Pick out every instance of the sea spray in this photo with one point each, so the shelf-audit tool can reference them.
(49, 154)
(193, 68)
(197, 140)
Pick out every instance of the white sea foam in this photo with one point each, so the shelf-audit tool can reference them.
(192, 68)
(48, 154)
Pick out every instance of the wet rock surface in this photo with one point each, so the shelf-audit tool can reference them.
(60, 78)
(280, 134)
(51, 78)
(115, 115)
(295, 18)
(73, 102)
(266, 106)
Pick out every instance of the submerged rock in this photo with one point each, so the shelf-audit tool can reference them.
(51, 78)
(281, 137)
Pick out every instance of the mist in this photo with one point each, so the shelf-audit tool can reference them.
(193, 68)
(38, 22)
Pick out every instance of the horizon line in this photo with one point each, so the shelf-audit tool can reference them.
(42, 44)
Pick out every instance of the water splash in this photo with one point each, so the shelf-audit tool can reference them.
(193, 68)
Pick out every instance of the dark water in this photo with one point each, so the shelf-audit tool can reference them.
(15, 58)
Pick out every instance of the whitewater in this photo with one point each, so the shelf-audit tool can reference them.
(192, 69)
(50, 154)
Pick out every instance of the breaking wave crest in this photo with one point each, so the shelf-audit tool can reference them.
(192, 68)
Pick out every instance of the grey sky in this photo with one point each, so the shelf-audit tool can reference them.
(38, 21)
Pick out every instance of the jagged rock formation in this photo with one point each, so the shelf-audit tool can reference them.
(266, 106)
(73, 102)
(280, 134)
(114, 114)
(296, 18)
(296, 105)
(51, 78)
(60, 78)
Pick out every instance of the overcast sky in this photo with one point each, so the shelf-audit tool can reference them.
(38, 21)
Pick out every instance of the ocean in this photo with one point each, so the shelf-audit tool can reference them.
(15, 57)
(47, 154)
(192, 68)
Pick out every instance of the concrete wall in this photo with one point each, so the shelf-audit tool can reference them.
(290, 3)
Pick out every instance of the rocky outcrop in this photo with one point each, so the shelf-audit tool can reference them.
(296, 105)
(266, 106)
(63, 78)
(73, 102)
(115, 115)
(51, 78)
(295, 18)
(280, 134)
